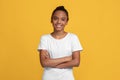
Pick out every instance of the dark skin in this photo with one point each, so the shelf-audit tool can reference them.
(59, 21)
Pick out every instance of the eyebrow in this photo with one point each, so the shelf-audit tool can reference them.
(61, 17)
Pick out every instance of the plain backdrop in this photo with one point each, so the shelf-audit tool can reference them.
(96, 22)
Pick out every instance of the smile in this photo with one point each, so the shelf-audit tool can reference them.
(58, 26)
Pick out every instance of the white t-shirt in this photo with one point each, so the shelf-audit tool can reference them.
(59, 48)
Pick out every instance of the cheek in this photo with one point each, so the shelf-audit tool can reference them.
(65, 23)
(53, 22)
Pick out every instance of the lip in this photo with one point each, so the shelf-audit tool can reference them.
(58, 26)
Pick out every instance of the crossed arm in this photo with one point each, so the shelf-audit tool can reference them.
(64, 62)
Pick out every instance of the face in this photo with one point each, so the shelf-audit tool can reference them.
(59, 20)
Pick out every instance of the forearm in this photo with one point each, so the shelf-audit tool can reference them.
(69, 64)
(64, 62)
(73, 63)
(54, 62)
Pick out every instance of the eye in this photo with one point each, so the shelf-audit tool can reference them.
(63, 19)
(55, 18)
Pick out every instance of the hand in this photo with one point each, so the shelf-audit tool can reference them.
(46, 54)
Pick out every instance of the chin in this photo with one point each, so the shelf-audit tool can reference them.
(58, 29)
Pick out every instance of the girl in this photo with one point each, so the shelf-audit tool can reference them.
(59, 50)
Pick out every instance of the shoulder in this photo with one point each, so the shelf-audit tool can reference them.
(73, 35)
(45, 36)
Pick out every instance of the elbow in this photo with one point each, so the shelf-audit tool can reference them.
(77, 63)
(43, 64)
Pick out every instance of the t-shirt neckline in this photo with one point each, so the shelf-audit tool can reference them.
(61, 38)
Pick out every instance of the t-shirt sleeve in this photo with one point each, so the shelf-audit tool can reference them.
(43, 43)
(76, 45)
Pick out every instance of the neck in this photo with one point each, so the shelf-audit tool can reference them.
(58, 33)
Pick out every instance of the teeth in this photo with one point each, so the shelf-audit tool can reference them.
(58, 25)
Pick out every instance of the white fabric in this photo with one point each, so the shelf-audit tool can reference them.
(59, 48)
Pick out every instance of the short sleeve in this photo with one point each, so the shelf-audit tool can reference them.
(43, 43)
(76, 45)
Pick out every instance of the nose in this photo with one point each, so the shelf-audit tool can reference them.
(59, 21)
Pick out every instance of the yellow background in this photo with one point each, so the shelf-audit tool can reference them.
(96, 22)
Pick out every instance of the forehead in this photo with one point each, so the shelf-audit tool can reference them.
(60, 13)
